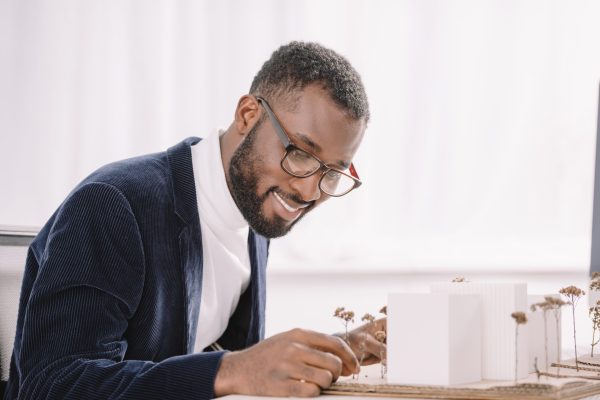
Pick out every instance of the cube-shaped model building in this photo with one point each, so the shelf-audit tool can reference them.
(499, 301)
(433, 339)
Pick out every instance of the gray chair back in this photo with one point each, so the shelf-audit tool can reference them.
(14, 242)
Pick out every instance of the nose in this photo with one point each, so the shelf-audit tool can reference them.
(308, 187)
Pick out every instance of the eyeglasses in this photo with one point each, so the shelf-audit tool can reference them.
(302, 164)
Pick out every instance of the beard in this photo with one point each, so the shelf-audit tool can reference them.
(244, 170)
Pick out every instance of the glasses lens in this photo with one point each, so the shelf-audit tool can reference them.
(335, 183)
(300, 163)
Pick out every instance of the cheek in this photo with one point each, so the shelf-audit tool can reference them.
(270, 176)
(268, 171)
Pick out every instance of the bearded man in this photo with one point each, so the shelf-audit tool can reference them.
(148, 282)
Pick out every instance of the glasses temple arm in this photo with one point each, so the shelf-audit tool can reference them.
(278, 128)
(353, 171)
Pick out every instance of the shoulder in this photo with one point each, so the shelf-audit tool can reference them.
(134, 174)
(154, 175)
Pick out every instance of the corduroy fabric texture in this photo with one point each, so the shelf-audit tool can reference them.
(111, 293)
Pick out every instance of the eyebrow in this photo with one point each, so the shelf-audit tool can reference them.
(316, 148)
(309, 142)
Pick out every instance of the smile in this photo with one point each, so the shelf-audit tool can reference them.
(286, 205)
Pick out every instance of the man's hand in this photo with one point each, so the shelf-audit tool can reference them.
(296, 363)
(363, 343)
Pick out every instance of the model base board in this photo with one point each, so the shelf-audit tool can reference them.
(570, 385)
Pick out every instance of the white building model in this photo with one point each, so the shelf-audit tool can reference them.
(463, 332)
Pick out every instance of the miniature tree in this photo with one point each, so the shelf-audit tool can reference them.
(520, 319)
(595, 283)
(573, 293)
(594, 314)
(346, 316)
(381, 337)
(545, 306)
(369, 319)
(555, 305)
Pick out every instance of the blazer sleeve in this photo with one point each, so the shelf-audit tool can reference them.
(89, 284)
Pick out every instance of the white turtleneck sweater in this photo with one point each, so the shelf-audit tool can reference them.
(226, 263)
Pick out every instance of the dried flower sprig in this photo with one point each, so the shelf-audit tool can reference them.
(381, 337)
(555, 301)
(545, 306)
(573, 293)
(520, 319)
(370, 320)
(555, 304)
(594, 314)
(346, 316)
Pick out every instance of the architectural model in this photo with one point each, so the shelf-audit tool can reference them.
(481, 340)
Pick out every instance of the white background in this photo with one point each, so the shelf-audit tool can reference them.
(479, 155)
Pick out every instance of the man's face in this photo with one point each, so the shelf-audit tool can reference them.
(271, 200)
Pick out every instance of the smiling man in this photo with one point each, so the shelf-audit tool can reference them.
(148, 282)
(294, 177)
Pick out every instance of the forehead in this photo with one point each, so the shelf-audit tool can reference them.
(319, 125)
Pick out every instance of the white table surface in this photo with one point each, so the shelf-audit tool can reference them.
(371, 371)
(329, 397)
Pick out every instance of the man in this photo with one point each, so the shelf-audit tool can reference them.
(151, 261)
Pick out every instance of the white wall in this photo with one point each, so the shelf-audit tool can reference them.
(479, 154)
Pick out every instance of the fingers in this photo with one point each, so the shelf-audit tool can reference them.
(309, 374)
(330, 344)
(298, 388)
(362, 341)
(295, 363)
(369, 360)
(326, 361)
(381, 325)
(371, 328)
(374, 351)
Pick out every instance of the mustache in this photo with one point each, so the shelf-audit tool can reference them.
(286, 196)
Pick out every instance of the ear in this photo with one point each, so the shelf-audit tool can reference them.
(247, 114)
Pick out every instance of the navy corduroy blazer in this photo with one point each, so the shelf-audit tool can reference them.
(111, 293)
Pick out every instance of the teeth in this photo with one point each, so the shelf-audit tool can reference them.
(284, 204)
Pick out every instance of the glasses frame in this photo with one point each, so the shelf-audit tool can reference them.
(289, 146)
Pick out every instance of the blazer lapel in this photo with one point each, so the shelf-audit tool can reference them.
(247, 325)
(190, 237)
